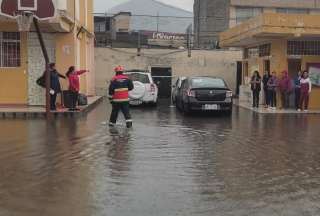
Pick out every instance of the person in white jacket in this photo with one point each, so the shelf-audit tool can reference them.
(305, 90)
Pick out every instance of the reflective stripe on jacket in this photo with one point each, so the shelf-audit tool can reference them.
(119, 88)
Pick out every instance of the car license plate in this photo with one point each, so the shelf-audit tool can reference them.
(135, 102)
(211, 107)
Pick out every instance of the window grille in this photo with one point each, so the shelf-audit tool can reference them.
(303, 48)
(293, 10)
(10, 49)
(265, 50)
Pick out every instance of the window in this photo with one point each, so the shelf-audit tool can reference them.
(100, 27)
(293, 10)
(252, 52)
(304, 48)
(10, 49)
(207, 83)
(143, 78)
(265, 50)
(243, 14)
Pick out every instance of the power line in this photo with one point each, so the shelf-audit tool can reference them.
(143, 15)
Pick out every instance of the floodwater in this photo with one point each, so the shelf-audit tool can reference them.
(167, 165)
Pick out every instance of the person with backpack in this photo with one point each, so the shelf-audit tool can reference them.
(119, 88)
(55, 87)
(305, 90)
(256, 89)
(74, 85)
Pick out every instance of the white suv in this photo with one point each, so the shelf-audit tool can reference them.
(145, 90)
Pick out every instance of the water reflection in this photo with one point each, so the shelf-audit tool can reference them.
(168, 164)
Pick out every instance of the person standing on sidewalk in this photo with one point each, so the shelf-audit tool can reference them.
(272, 90)
(119, 88)
(74, 85)
(297, 90)
(285, 89)
(305, 90)
(256, 89)
(55, 87)
(265, 80)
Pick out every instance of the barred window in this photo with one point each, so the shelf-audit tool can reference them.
(10, 49)
(293, 10)
(265, 50)
(252, 52)
(303, 48)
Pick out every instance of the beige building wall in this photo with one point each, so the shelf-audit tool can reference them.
(270, 6)
(278, 3)
(212, 63)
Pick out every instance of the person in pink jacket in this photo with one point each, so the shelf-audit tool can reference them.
(305, 90)
(74, 85)
(285, 88)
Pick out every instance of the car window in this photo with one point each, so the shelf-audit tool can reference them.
(208, 83)
(143, 78)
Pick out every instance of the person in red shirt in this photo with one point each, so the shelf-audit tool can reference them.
(74, 85)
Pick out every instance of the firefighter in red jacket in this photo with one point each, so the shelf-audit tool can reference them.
(119, 88)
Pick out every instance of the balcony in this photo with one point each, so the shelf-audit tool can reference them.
(270, 26)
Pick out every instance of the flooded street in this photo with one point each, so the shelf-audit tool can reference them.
(166, 165)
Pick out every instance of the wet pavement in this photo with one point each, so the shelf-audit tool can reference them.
(167, 165)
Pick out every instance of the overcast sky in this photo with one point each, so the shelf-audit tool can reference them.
(102, 6)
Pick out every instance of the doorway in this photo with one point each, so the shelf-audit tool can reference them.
(239, 77)
(162, 76)
(294, 66)
(266, 66)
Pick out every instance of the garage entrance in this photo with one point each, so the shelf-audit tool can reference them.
(162, 76)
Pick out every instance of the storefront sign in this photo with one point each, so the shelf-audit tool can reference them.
(167, 36)
(164, 36)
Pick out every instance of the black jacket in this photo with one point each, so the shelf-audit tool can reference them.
(119, 88)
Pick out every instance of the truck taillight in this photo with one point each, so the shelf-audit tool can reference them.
(191, 93)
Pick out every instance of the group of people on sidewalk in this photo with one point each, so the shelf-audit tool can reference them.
(300, 86)
(55, 87)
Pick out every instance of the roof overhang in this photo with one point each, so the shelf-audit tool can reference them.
(58, 24)
(271, 26)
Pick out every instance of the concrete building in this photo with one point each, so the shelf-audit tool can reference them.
(69, 39)
(152, 15)
(279, 41)
(215, 16)
(173, 63)
(115, 31)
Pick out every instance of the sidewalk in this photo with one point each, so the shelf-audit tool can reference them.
(263, 110)
(40, 112)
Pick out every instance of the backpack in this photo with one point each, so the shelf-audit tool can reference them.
(41, 81)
